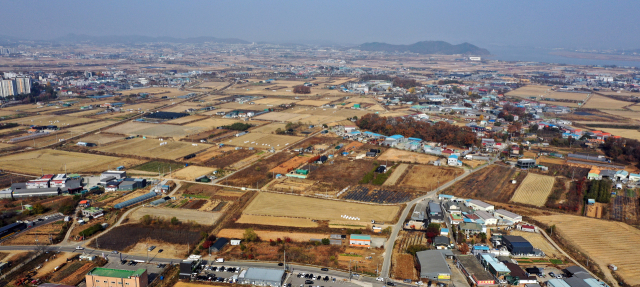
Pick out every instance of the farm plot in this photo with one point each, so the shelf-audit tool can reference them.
(603, 103)
(350, 173)
(492, 183)
(365, 194)
(55, 161)
(598, 245)
(60, 121)
(213, 85)
(192, 172)
(429, 177)
(534, 190)
(186, 119)
(233, 159)
(282, 205)
(101, 138)
(396, 155)
(289, 165)
(538, 241)
(152, 148)
(212, 123)
(397, 173)
(156, 92)
(182, 214)
(269, 129)
(266, 235)
(258, 172)
(274, 101)
(315, 103)
(276, 116)
(155, 130)
(545, 92)
(90, 127)
(281, 221)
(123, 237)
(31, 236)
(266, 141)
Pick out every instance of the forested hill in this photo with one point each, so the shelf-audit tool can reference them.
(426, 47)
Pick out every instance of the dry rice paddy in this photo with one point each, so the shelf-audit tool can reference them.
(534, 189)
(152, 148)
(266, 141)
(54, 161)
(155, 130)
(280, 221)
(291, 206)
(606, 242)
(192, 172)
(396, 155)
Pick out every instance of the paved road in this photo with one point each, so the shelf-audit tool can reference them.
(386, 265)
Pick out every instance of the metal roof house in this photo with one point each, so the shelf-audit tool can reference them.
(480, 205)
(507, 215)
(433, 266)
(262, 277)
(219, 244)
(419, 212)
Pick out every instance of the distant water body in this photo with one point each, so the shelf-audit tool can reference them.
(543, 56)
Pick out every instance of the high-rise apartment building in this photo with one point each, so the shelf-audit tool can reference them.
(8, 88)
(23, 85)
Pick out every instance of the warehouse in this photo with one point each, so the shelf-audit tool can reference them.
(517, 245)
(517, 276)
(419, 211)
(507, 215)
(262, 277)
(98, 277)
(24, 192)
(219, 244)
(486, 218)
(433, 266)
(471, 268)
(360, 240)
(480, 205)
(189, 266)
(116, 174)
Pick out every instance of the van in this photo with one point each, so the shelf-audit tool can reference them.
(220, 260)
(151, 248)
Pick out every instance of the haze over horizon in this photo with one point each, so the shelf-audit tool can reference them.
(549, 24)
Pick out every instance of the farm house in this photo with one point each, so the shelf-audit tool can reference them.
(433, 265)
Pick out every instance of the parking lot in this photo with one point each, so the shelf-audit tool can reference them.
(297, 279)
(152, 268)
(219, 273)
(546, 277)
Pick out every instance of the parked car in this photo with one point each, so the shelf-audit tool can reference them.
(324, 269)
(380, 279)
(391, 283)
(407, 281)
(308, 282)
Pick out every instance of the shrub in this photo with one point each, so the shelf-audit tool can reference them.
(91, 230)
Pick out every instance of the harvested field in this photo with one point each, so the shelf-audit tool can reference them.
(264, 141)
(534, 190)
(183, 214)
(396, 155)
(272, 235)
(173, 250)
(428, 177)
(72, 273)
(233, 159)
(545, 92)
(186, 119)
(397, 173)
(404, 267)
(492, 183)
(192, 172)
(52, 264)
(44, 141)
(282, 205)
(155, 130)
(156, 92)
(213, 85)
(604, 103)
(622, 251)
(212, 123)
(210, 153)
(152, 148)
(90, 127)
(123, 237)
(290, 165)
(54, 161)
(538, 241)
(269, 128)
(274, 101)
(41, 233)
(276, 116)
(473, 163)
(315, 103)
(280, 221)
(101, 138)
(60, 121)
(259, 172)
(350, 172)
(625, 133)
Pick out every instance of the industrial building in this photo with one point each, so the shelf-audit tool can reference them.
(419, 212)
(105, 277)
(526, 163)
(517, 245)
(262, 277)
(486, 217)
(116, 174)
(517, 276)
(433, 265)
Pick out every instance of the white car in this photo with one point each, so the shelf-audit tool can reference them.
(380, 279)
(79, 248)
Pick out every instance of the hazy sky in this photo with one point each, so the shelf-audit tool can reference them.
(556, 23)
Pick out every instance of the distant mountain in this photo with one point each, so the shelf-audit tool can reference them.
(132, 39)
(426, 47)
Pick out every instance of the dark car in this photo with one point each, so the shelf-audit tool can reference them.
(280, 264)
(308, 282)
(289, 285)
(391, 284)
(325, 269)
(160, 251)
(326, 278)
(214, 268)
(123, 262)
(220, 279)
(407, 281)
(299, 275)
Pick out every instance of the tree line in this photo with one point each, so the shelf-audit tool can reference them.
(441, 132)
(622, 150)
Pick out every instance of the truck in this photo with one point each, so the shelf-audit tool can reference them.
(151, 248)
(220, 260)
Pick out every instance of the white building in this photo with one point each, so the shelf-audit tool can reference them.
(453, 160)
(7, 88)
(507, 215)
(486, 217)
(480, 205)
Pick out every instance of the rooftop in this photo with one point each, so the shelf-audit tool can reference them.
(116, 273)
(432, 261)
(360, 237)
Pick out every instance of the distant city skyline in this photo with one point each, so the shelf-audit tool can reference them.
(549, 24)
